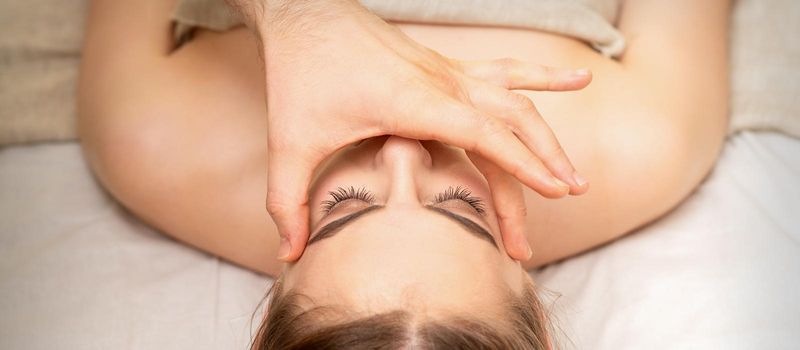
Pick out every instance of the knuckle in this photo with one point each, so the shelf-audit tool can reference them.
(513, 211)
(522, 210)
(522, 104)
(506, 64)
(513, 208)
(506, 71)
(481, 129)
(491, 127)
(276, 206)
(555, 152)
(449, 83)
(550, 75)
(529, 162)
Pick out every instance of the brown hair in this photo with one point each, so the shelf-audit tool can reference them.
(290, 326)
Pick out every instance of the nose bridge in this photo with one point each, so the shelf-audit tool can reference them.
(404, 159)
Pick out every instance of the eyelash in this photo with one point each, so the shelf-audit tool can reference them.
(463, 194)
(342, 194)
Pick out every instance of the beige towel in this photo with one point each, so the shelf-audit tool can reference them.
(40, 44)
(765, 66)
(589, 20)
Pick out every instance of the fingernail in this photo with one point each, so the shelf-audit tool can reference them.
(530, 252)
(582, 72)
(579, 179)
(285, 249)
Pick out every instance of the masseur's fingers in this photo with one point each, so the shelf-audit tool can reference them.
(521, 115)
(514, 74)
(509, 203)
(478, 132)
(288, 177)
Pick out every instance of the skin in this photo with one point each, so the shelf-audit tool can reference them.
(178, 137)
(409, 257)
(312, 49)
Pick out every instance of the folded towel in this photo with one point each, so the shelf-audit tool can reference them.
(40, 42)
(765, 66)
(588, 20)
(40, 45)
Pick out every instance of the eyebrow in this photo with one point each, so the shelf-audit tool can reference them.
(335, 226)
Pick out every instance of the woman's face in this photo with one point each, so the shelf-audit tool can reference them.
(411, 225)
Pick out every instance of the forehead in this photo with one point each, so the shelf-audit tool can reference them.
(397, 256)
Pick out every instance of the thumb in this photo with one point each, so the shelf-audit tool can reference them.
(509, 203)
(288, 177)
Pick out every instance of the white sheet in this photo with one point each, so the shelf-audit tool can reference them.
(720, 272)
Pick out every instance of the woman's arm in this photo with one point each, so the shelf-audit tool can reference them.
(178, 136)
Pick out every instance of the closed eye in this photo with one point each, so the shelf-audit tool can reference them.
(342, 194)
(463, 194)
(345, 194)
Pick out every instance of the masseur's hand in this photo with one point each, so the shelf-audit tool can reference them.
(337, 74)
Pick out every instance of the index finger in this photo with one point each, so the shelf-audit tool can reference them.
(460, 125)
(513, 74)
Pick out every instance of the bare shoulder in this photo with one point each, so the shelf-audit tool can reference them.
(178, 136)
(648, 134)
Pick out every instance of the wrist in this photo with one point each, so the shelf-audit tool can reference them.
(282, 18)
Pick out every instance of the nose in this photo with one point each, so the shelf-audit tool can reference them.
(400, 151)
(404, 160)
